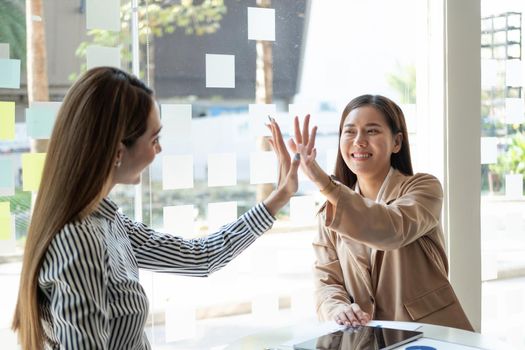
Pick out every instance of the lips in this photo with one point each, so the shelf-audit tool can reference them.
(361, 155)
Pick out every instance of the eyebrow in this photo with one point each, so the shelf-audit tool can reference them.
(157, 132)
(350, 125)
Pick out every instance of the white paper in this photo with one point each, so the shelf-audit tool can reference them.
(177, 172)
(514, 111)
(489, 150)
(220, 71)
(100, 56)
(179, 220)
(4, 50)
(263, 167)
(407, 326)
(221, 213)
(261, 23)
(176, 131)
(489, 73)
(514, 186)
(303, 210)
(180, 322)
(222, 169)
(103, 14)
(514, 73)
(258, 114)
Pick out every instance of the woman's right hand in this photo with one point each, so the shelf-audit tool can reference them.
(352, 316)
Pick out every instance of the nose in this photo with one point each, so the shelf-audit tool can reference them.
(360, 139)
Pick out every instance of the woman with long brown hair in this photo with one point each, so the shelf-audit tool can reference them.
(380, 248)
(79, 286)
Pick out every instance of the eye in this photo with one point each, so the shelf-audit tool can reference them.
(372, 131)
(156, 140)
(350, 132)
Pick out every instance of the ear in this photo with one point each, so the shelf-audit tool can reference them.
(398, 142)
(120, 153)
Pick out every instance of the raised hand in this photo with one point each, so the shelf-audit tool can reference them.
(288, 181)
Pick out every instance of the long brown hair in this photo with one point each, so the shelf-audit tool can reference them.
(104, 107)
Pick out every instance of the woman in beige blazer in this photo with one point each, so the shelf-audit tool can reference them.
(380, 248)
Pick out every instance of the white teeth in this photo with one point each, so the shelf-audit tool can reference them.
(361, 155)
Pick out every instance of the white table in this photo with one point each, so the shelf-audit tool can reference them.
(284, 338)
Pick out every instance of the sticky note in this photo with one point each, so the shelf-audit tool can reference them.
(514, 186)
(9, 73)
(514, 73)
(221, 213)
(258, 114)
(5, 221)
(103, 14)
(179, 220)
(32, 167)
(489, 150)
(40, 119)
(514, 111)
(222, 169)
(220, 71)
(263, 167)
(261, 23)
(99, 56)
(7, 176)
(302, 210)
(177, 172)
(4, 50)
(176, 128)
(489, 73)
(7, 120)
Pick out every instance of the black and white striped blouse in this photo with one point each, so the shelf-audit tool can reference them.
(89, 282)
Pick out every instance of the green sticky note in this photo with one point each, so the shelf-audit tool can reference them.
(32, 167)
(40, 119)
(7, 120)
(5, 221)
(7, 177)
(9, 73)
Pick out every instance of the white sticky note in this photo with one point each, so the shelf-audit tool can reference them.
(4, 50)
(222, 169)
(514, 186)
(489, 150)
(221, 213)
(179, 220)
(176, 128)
(514, 73)
(514, 111)
(409, 111)
(103, 14)
(220, 71)
(180, 322)
(303, 210)
(258, 114)
(100, 56)
(300, 110)
(177, 172)
(9, 73)
(261, 24)
(263, 168)
(7, 176)
(331, 158)
(40, 119)
(489, 73)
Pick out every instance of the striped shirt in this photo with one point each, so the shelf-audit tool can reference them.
(90, 293)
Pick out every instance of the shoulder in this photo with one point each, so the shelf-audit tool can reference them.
(422, 183)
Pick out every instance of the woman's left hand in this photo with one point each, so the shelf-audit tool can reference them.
(288, 182)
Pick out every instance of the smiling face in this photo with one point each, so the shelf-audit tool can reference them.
(367, 143)
(134, 159)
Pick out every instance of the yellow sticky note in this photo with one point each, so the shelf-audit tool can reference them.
(32, 167)
(7, 120)
(5, 221)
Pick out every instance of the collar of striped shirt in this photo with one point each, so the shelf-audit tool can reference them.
(107, 208)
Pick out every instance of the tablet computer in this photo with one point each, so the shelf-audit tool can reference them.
(361, 338)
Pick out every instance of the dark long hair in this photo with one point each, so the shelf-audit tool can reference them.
(104, 107)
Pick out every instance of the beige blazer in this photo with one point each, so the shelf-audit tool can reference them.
(404, 276)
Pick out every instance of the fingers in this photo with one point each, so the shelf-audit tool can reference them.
(310, 145)
(353, 317)
(362, 316)
(306, 126)
(292, 145)
(297, 131)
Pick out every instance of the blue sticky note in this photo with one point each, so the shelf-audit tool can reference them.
(40, 119)
(9, 73)
(7, 174)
